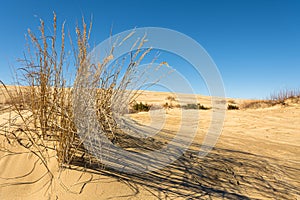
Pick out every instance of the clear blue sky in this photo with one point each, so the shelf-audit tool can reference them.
(254, 43)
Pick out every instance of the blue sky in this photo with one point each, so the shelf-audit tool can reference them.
(255, 44)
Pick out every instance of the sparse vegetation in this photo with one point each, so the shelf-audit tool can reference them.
(190, 106)
(202, 107)
(258, 104)
(232, 107)
(195, 106)
(140, 107)
(283, 98)
(283, 95)
(171, 99)
(167, 106)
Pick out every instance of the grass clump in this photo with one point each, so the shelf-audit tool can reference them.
(140, 107)
(170, 98)
(232, 107)
(258, 104)
(195, 107)
(190, 106)
(202, 107)
(45, 105)
(169, 104)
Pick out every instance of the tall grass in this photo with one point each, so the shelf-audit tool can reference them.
(285, 94)
(277, 98)
(45, 106)
(112, 88)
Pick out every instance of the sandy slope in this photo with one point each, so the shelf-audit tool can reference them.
(257, 156)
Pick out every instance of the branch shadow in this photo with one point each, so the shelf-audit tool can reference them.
(223, 173)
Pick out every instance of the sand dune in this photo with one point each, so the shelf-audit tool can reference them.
(257, 156)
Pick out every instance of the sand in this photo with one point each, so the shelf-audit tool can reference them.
(256, 156)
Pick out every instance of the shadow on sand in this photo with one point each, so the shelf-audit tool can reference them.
(223, 173)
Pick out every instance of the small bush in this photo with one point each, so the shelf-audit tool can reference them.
(140, 107)
(167, 105)
(170, 98)
(232, 107)
(190, 106)
(258, 104)
(195, 107)
(202, 107)
(170, 104)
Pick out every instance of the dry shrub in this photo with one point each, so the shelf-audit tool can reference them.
(45, 106)
(140, 107)
(232, 107)
(258, 104)
(170, 98)
(194, 106)
(111, 88)
(283, 97)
